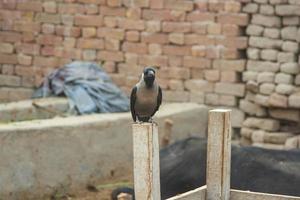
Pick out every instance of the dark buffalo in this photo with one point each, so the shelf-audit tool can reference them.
(183, 168)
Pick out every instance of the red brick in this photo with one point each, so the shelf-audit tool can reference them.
(112, 33)
(111, 22)
(10, 5)
(111, 44)
(98, 2)
(89, 55)
(198, 51)
(91, 9)
(119, 79)
(163, 15)
(89, 32)
(30, 6)
(88, 20)
(155, 49)
(47, 51)
(90, 43)
(132, 36)
(197, 73)
(134, 13)
(110, 67)
(29, 37)
(231, 30)
(50, 7)
(213, 52)
(199, 27)
(69, 53)
(7, 69)
(232, 7)
(229, 76)
(6, 48)
(212, 75)
(24, 70)
(239, 19)
(176, 50)
(153, 60)
(131, 81)
(176, 38)
(24, 26)
(67, 20)
(189, 61)
(70, 8)
(139, 48)
(51, 62)
(69, 42)
(68, 31)
(163, 83)
(201, 5)
(48, 28)
(130, 24)
(233, 42)
(114, 3)
(10, 36)
(228, 53)
(49, 40)
(156, 4)
(28, 81)
(48, 18)
(180, 27)
(107, 11)
(116, 56)
(131, 58)
(179, 73)
(24, 59)
(179, 5)
(30, 49)
(176, 96)
(153, 26)
(158, 38)
(8, 59)
(195, 39)
(214, 29)
(140, 3)
(215, 6)
(200, 16)
(176, 85)
(175, 61)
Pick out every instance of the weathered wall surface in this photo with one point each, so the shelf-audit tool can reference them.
(272, 78)
(41, 157)
(198, 45)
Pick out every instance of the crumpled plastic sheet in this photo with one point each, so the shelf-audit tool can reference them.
(88, 88)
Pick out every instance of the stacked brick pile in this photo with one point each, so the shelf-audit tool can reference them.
(198, 45)
(272, 77)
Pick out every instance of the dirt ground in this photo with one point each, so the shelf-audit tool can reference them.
(103, 191)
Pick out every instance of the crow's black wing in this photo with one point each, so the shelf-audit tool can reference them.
(132, 102)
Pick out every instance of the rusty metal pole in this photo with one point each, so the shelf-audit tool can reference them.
(146, 161)
(218, 155)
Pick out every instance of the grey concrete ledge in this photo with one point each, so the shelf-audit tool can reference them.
(41, 157)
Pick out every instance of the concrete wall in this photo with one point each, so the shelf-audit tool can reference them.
(41, 157)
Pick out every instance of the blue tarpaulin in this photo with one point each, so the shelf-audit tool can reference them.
(87, 86)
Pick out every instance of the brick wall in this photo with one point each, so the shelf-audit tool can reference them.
(272, 78)
(198, 45)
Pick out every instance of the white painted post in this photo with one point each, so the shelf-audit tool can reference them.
(146, 161)
(218, 155)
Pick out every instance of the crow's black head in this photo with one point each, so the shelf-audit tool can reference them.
(149, 76)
